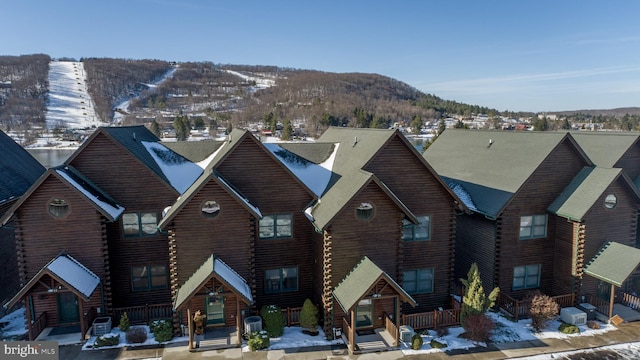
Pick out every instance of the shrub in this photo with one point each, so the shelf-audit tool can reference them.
(108, 339)
(436, 344)
(543, 308)
(568, 329)
(592, 324)
(416, 342)
(258, 340)
(162, 330)
(475, 301)
(124, 322)
(136, 335)
(273, 320)
(309, 316)
(443, 331)
(478, 328)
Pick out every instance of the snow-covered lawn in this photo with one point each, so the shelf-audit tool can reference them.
(90, 344)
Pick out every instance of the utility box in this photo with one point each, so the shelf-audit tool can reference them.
(589, 309)
(573, 316)
(406, 333)
(101, 325)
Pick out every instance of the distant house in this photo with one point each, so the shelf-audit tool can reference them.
(18, 171)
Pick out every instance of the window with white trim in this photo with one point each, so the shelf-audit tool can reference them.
(533, 226)
(526, 277)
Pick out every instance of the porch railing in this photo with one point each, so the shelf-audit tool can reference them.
(601, 305)
(143, 314)
(390, 327)
(432, 319)
(39, 324)
(631, 301)
(89, 316)
(520, 308)
(346, 330)
(292, 315)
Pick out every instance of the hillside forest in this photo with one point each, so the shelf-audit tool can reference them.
(204, 94)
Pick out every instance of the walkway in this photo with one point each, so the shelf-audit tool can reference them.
(626, 333)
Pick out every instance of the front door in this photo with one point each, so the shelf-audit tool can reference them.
(67, 307)
(364, 314)
(215, 309)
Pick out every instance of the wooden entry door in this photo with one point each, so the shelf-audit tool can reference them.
(215, 309)
(67, 307)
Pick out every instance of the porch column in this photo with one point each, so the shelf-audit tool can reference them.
(29, 319)
(238, 321)
(397, 319)
(190, 326)
(82, 319)
(612, 296)
(352, 336)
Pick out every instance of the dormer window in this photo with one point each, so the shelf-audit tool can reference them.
(58, 208)
(210, 209)
(364, 211)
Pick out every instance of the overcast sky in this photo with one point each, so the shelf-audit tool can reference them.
(510, 55)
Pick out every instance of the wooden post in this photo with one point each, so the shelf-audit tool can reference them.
(352, 336)
(82, 319)
(29, 319)
(396, 318)
(613, 290)
(190, 326)
(238, 321)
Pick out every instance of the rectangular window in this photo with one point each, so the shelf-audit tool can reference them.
(276, 226)
(281, 280)
(140, 224)
(149, 277)
(412, 232)
(418, 281)
(533, 226)
(526, 277)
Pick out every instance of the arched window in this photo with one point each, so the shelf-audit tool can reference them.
(59, 208)
(364, 211)
(210, 208)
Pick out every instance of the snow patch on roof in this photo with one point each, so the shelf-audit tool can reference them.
(113, 211)
(463, 195)
(233, 278)
(315, 176)
(75, 274)
(204, 163)
(180, 171)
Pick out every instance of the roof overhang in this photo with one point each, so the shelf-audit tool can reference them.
(614, 263)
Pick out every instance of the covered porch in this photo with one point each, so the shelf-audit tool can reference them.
(59, 299)
(220, 294)
(370, 302)
(613, 264)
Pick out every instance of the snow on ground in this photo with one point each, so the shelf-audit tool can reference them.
(506, 331)
(119, 116)
(89, 345)
(261, 82)
(69, 105)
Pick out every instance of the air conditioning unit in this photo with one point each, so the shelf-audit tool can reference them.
(252, 324)
(573, 316)
(406, 333)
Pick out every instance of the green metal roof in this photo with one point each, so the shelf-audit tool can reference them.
(583, 192)
(605, 148)
(213, 267)
(194, 151)
(614, 263)
(491, 165)
(18, 169)
(360, 280)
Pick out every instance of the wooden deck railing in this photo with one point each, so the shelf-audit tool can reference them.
(292, 315)
(346, 330)
(433, 319)
(631, 301)
(391, 327)
(38, 325)
(519, 309)
(89, 316)
(601, 305)
(143, 314)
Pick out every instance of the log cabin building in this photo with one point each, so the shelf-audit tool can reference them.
(18, 171)
(541, 209)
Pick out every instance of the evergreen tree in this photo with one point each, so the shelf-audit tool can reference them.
(287, 130)
(309, 316)
(416, 124)
(155, 128)
(475, 301)
(124, 322)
